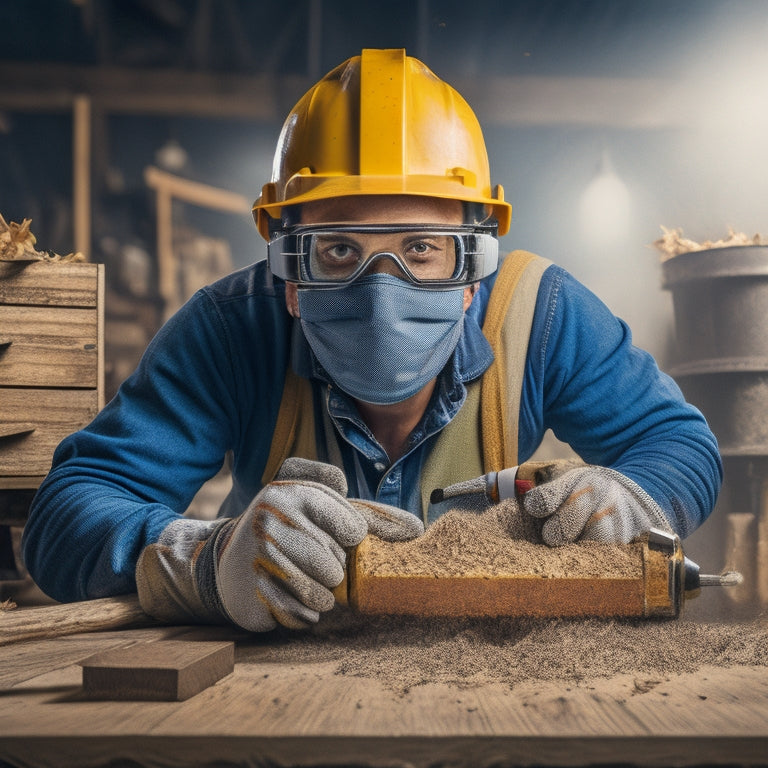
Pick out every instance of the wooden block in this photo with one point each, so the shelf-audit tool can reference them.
(169, 670)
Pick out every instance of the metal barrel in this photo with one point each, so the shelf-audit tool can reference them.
(720, 301)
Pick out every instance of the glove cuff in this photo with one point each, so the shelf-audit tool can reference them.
(206, 566)
(651, 507)
(168, 574)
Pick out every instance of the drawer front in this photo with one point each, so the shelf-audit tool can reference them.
(48, 347)
(46, 284)
(34, 421)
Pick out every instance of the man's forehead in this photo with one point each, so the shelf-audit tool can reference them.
(382, 209)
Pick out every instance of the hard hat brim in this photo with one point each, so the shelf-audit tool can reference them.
(309, 188)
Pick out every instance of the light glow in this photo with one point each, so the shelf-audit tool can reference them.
(605, 208)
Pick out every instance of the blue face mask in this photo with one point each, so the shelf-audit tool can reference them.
(380, 338)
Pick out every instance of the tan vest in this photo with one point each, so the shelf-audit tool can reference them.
(482, 437)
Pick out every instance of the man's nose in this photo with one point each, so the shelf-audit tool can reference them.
(384, 263)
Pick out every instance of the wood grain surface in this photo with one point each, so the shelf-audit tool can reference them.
(49, 284)
(294, 712)
(49, 347)
(52, 414)
(48, 621)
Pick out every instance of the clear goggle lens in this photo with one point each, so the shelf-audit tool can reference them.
(431, 257)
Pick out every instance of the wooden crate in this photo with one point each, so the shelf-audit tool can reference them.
(51, 361)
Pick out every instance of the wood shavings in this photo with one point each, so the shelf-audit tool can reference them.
(17, 243)
(70, 257)
(672, 243)
(7, 605)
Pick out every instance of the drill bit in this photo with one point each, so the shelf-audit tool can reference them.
(727, 579)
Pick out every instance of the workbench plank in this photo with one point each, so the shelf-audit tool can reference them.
(265, 700)
(288, 751)
(27, 660)
(295, 712)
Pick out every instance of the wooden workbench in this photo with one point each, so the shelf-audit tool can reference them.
(278, 710)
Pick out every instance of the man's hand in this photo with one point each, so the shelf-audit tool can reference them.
(278, 562)
(594, 503)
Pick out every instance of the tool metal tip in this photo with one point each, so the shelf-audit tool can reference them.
(727, 579)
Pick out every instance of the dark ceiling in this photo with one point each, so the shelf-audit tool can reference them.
(308, 37)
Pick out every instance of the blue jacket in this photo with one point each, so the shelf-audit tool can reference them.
(211, 381)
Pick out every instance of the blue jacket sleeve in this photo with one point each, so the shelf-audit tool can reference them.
(610, 402)
(115, 485)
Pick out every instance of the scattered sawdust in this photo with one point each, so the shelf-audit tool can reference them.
(404, 652)
(672, 243)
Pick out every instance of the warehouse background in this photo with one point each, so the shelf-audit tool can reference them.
(605, 121)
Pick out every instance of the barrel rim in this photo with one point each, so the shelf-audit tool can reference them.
(718, 365)
(715, 263)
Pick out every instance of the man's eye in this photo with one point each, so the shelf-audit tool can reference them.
(340, 252)
(422, 250)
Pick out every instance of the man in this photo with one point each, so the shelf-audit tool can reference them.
(349, 377)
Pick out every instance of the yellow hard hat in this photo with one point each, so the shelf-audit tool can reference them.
(380, 124)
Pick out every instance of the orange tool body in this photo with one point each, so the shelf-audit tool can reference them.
(667, 578)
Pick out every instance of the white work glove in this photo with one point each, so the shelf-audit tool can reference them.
(594, 503)
(274, 564)
(278, 562)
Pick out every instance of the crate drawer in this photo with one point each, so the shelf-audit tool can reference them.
(33, 422)
(45, 284)
(48, 347)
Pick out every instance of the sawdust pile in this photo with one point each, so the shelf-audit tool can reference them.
(17, 243)
(499, 541)
(672, 243)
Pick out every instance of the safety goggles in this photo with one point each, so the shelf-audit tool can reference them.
(431, 257)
